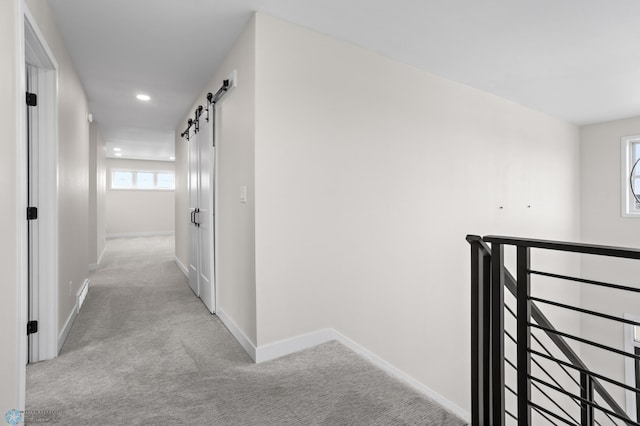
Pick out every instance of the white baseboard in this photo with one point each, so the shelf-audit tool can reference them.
(82, 293)
(294, 344)
(183, 268)
(139, 234)
(244, 341)
(64, 333)
(288, 346)
(96, 266)
(402, 376)
(80, 297)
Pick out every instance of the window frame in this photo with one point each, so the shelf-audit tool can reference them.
(135, 180)
(629, 206)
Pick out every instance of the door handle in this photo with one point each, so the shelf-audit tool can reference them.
(193, 214)
(198, 212)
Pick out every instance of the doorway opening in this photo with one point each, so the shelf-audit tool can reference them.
(41, 147)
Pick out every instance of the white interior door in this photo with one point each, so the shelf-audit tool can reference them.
(205, 214)
(201, 213)
(32, 227)
(194, 235)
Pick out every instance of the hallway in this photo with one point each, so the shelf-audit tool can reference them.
(144, 350)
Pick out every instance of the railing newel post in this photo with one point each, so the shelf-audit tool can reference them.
(480, 334)
(476, 337)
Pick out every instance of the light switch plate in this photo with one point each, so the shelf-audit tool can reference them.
(233, 79)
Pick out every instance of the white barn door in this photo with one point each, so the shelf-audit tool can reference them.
(193, 209)
(201, 213)
(206, 213)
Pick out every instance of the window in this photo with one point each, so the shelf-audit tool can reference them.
(630, 155)
(134, 179)
(166, 181)
(145, 180)
(121, 179)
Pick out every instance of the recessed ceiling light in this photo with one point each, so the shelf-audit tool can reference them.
(117, 149)
(172, 158)
(143, 97)
(118, 154)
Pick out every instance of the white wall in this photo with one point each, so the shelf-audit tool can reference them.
(131, 212)
(73, 167)
(12, 277)
(73, 187)
(602, 223)
(235, 152)
(369, 173)
(97, 195)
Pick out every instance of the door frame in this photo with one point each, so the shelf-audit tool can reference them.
(37, 53)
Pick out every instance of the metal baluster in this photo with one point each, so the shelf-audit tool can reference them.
(586, 392)
(524, 335)
(497, 342)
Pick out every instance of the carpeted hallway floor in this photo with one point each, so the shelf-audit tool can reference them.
(145, 351)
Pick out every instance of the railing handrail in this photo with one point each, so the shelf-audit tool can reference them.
(536, 313)
(601, 250)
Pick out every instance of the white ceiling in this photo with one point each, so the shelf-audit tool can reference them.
(575, 59)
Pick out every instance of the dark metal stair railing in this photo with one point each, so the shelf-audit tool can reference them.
(489, 278)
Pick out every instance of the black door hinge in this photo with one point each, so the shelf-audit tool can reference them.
(32, 99)
(32, 327)
(32, 213)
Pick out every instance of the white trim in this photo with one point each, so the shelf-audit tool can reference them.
(235, 331)
(20, 204)
(41, 56)
(64, 333)
(139, 234)
(404, 377)
(183, 268)
(288, 346)
(216, 223)
(294, 344)
(41, 52)
(625, 192)
(82, 294)
(96, 266)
